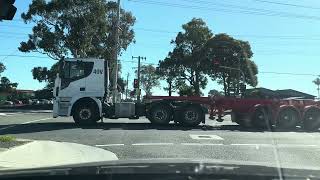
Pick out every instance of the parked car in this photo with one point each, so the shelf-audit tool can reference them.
(17, 102)
(35, 102)
(27, 101)
(44, 101)
(9, 103)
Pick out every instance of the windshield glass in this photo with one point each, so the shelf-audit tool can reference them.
(72, 70)
(223, 81)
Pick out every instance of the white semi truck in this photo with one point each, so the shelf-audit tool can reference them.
(81, 91)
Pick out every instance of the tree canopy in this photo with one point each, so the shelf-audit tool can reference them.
(223, 51)
(148, 78)
(5, 84)
(169, 70)
(199, 54)
(75, 28)
(2, 68)
(187, 53)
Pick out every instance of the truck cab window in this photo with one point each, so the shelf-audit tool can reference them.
(73, 71)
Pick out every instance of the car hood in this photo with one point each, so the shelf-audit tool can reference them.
(171, 166)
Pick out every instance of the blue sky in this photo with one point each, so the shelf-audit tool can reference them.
(280, 44)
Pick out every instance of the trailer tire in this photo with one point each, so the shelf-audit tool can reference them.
(242, 120)
(260, 119)
(160, 114)
(191, 115)
(85, 114)
(311, 119)
(288, 118)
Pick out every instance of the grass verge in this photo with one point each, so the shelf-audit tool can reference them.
(7, 138)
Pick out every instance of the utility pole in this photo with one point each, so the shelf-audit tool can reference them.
(127, 89)
(115, 56)
(139, 67)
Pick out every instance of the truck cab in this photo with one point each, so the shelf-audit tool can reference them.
(80, 82)
(81, 91)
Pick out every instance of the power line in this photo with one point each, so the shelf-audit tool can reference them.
(287, 4)
(288, 73)
(14, 55)
(252, 11)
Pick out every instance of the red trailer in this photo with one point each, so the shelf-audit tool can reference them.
(259, 113)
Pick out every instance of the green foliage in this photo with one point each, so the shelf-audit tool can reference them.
(169, 71)
(43, 94)
(317, 81)
(74, 28)
(231, 53)
(214, 92)
(187, 53)
(7, 138)
(149, 78)
(2, 68)
(6, 85)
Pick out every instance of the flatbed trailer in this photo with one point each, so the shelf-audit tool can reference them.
(247, 112)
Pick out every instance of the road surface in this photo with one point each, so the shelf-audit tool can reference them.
(138, 139)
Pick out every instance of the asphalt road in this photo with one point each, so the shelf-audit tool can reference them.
(138, 139)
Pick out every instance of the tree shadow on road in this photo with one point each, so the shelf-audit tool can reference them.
(53, 126)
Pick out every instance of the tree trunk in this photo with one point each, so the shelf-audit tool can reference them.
(197, 84)
(224, 84)
(228, 85)
(170, 88)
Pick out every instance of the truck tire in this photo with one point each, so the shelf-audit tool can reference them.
(191, 116)
(311, 120)
(85, 114)
(260, 119)
(242, 119)
(287, 119)
(160, 114)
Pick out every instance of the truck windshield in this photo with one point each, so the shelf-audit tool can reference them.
(73, 70)
(76, 70)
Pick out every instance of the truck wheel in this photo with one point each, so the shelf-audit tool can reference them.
(85, 114)
(260, 119)
(160, 114)
(242, 120)
(287, 119)
(311, 120)
(191, 116)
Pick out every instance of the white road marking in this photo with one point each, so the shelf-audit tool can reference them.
(296, 145)
(25, 123)
(108, 145)
(205, 137)
(36, 120)
(251, 144)
(200, 144)
(257, 146)
(151, 144)
(3, 114)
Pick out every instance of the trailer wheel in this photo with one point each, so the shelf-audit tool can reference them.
(191, 116)
(242, 120)
(260, 119)
(85, 114)
(160, 114)
(311, 119)
(287, 119)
